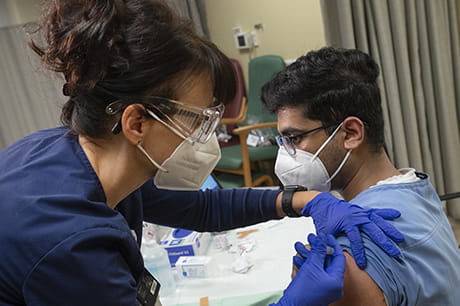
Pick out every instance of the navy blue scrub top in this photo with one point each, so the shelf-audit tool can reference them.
(62, 245)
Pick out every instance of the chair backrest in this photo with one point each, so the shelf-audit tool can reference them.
(261, 70)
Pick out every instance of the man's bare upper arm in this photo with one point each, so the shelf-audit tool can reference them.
(359, 287)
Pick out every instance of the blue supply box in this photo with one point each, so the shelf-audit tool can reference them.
(180, 242)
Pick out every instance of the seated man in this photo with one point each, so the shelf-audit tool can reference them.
(332, 138)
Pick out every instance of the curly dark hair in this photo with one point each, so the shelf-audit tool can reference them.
(109, 49)
(331, 84)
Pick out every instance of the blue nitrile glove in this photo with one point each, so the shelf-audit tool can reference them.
(316, 283)
(333, 216)
(304, 253)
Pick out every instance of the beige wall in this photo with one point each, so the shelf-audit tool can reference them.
(22, 11)
(291, 27)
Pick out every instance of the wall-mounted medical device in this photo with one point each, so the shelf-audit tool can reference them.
(244, 40)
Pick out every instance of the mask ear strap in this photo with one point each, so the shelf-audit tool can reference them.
(327, 141)
(139, 146)
(340, 166)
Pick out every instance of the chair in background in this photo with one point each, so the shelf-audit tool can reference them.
(237, 166)
(235, 111)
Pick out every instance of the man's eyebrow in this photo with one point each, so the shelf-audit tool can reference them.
(291, 131)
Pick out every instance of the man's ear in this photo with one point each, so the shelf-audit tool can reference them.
(133, 122)
(355, 132)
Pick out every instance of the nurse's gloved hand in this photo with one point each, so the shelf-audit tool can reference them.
(318, 282)
(333, 216)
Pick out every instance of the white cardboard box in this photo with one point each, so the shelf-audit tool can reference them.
(195, 266)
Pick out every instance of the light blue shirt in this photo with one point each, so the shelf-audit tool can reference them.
(428, 272)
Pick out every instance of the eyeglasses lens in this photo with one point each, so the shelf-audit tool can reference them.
(286, 143)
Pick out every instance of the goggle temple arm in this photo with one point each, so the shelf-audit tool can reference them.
(174, 130)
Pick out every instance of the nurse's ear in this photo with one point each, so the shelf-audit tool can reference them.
(134, 123)
(354, 132)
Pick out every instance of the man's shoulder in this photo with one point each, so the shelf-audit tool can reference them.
(419, 205)
(394, 194)
(428, 239)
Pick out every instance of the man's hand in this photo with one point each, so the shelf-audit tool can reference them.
(333, 216)
(320, 278)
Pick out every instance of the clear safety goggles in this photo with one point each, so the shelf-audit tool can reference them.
(190, 122)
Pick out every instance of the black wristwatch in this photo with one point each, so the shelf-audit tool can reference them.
(286, 200)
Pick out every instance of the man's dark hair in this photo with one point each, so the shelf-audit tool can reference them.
(331, 84)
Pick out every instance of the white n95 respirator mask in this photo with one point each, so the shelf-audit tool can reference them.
(188, 166)
(306, 169)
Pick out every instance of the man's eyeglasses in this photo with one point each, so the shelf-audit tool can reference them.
(290, 142)
(190, 122)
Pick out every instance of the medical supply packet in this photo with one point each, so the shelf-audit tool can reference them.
(180, 242)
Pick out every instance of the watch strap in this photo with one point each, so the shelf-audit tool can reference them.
(286, 201)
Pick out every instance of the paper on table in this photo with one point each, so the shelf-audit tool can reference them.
(275, 248)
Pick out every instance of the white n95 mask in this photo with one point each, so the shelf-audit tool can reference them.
(306, 169)
(188, 166)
